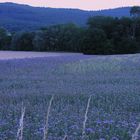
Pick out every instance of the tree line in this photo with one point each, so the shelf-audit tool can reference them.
(102, 35)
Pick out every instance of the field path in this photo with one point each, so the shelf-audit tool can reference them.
(6, 55)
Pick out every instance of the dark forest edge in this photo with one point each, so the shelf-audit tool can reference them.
(102, 35)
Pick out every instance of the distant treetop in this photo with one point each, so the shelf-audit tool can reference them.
(135, 11)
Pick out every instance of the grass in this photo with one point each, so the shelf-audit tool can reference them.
(21, 126)
(47, 120)
(113, 82)
(86, 118)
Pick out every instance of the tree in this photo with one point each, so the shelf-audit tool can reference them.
(135, 13)
(103, 35)
(107, 35)
(5, 39)
(22, 41)
(69, 37)
(64, 37)
(96, 42)
(105, 23)
(39, 41)
(127, 46)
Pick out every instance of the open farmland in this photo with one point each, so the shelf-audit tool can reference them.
(113, 81)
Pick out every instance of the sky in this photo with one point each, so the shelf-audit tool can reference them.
(80, 4)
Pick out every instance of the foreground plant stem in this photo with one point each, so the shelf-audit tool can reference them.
(21, 122)
(86, 117)
(47, 119)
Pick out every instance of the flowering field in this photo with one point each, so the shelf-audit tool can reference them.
(112, 83)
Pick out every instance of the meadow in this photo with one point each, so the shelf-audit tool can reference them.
(112, 82)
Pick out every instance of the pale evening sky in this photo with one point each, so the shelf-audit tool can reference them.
(80, 4)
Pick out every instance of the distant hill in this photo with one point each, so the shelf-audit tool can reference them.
(23, 17)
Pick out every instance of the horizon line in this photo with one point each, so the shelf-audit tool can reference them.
(71, 8)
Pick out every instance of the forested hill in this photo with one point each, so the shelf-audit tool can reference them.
(23, 17)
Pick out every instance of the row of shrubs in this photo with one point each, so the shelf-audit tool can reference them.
(101, 35)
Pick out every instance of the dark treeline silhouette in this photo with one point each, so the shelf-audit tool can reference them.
(106, 35)
(102, 35)
(5, 39)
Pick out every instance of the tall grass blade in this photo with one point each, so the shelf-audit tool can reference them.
(86, 117)
(135, 136)
(21, 122)
(65, 138)
(47, 119)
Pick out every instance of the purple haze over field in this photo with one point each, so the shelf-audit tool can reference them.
(80, 4)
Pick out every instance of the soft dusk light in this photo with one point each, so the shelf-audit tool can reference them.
(80, 4)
